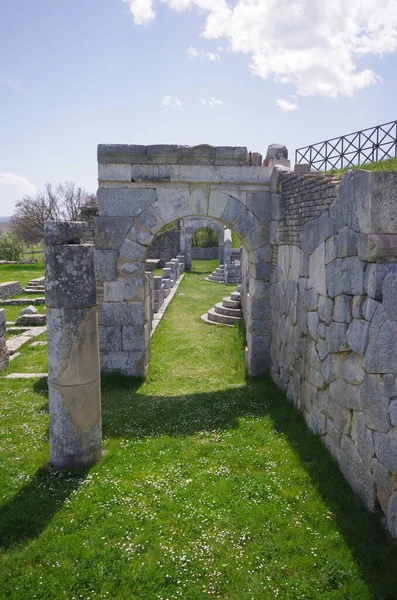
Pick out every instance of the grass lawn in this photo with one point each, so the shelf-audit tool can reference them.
(21, 273)
(210, 486)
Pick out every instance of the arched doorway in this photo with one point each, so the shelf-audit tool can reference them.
(141, 190)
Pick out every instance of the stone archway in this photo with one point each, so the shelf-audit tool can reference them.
(192, 224)
(142, 189)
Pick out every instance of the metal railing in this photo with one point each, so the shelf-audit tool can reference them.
(354, 149)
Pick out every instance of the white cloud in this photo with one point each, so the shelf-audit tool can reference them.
(211, 102)
(13, 188)
(193, 53)
(286, 106)
(142, 11)
(172, 101)
(311, 44)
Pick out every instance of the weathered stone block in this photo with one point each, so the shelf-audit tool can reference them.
(233, 210)
(135, 339)
(231, 155)
(132, 251)
(312, 324)
(172, 203)
(358, 335)
(392, 514)
(114, 313)
(262, 205)
(325, 309)
(115, 202)
(199, 199)
(375, 402)
(336, 337)
(389, 292)
(357, 307)
(114, 172)
(393, 413)
(357, 473)
(333, 274)
(246, 223)
(106, 264)
(317, 279)
(369, 307)
(72, 345)
(111, 231)
(151, 220)
(109, 339)
(353, 276)
(133, 364)
(121, 153)
(162, 153)
(381, 354)
(257, 238)
(347, 242)
(343, 309)
(64, 232)
(373, 247)
(331, 249)
(376, 275)
(197, 155)
(386, 449)
(70, 276)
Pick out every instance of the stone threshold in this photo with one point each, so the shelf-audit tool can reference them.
(24, 375)
(159, 315)
(16, 342)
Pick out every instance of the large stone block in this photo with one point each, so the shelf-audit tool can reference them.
(70, 276)
(231, 155)
(317, 278)
(343, 309)
(132, 251)
(124, 202)
(111, 231)
(122, 313)
(151, 220)
(114, 172)
(386, 449)
(376, 275)
(373, 247)
(375, 402)
(75, 425)
(353, 276)
(261, 205)
(132, 364)
(199, 199)
(357, 473)
(73, 357)
(389, 292)
(392, 514)
(381, 354)
(336, 338)
(197, 155)
(246, 223)
(358, 335)
(333, 274)
(64, 232)
(109, 339)
(106, 264)
(172, 203)
(135, 339)
(122, 153)
(162, 153)
(233, 210)
(151, 173)
(347, 242)
(257, 238)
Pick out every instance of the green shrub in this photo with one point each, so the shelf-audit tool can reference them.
(11, 248)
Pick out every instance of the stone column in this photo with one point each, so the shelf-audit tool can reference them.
(73, 351)
(3, 347)
(228, 247)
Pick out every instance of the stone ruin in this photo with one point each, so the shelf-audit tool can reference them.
(318, 293)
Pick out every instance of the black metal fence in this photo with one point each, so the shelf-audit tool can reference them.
(359, 148)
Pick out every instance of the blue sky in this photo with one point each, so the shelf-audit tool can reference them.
(81, 72)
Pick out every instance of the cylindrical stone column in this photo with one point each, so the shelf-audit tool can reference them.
(73, 350)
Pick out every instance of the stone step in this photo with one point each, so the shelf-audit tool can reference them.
(34, 290)
(218, 318)
(229, 303)
(235, 296)
(209, 322)
(229, 312)
(216, 278)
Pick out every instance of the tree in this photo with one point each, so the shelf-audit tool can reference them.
(205, 238)
(11, 248)
(61, 203)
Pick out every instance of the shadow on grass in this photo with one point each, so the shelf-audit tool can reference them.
(28, 513)
(127, 413)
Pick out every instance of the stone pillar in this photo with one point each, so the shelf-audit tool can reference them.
(188, 252)
(181, 258)
(3, 347)
(228, 247)
(73, 351)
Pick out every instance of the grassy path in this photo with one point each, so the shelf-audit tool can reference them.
(210, 486)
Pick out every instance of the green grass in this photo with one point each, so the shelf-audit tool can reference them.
(21, 273)
(210, 486)
(383, 165)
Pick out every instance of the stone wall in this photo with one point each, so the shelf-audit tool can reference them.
(334, 320)
(10, 288)
(165, 245)
(205, 253)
